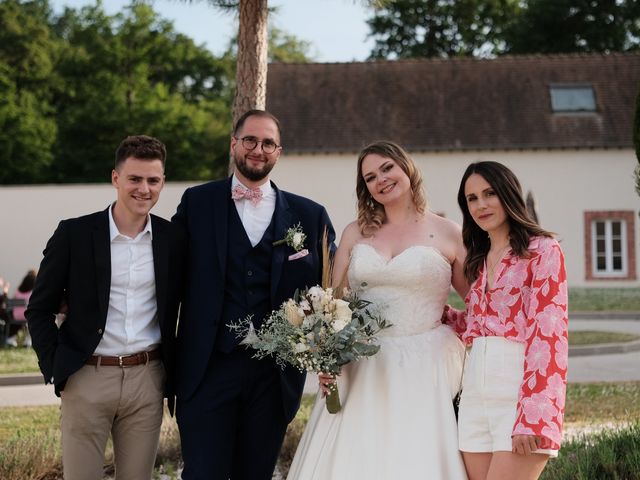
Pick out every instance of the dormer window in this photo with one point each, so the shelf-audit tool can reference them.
(572, 98)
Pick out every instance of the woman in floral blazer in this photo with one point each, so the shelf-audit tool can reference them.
(513, 394)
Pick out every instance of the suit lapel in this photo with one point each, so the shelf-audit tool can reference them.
(220, 219)
(160, 246)
(102, 260)
(282, 221)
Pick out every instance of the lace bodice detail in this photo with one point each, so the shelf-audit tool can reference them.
(409, 290)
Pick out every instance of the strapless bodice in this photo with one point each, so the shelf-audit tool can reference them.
(409, 290)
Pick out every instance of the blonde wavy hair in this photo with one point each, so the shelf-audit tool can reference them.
(371, 214)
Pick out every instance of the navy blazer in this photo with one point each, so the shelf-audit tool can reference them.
(204, 214)
(76, 270)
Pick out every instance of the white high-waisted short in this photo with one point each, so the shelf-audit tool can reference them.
(493, 372)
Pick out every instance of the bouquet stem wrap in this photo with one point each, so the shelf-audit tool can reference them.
(333, 399)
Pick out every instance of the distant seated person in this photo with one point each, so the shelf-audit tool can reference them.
(4, 294)
(22, 293)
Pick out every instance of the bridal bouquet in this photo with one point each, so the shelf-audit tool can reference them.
(317, 332)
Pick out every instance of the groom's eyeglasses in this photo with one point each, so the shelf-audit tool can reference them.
(268, 146)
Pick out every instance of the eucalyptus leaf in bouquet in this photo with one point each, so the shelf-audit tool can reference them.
(317, 332)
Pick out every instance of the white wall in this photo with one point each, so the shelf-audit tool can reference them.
(30, 214)
(564, 183)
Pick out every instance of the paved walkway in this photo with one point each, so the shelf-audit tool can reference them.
(598, 366)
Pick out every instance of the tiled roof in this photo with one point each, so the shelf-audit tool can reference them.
(453, 104)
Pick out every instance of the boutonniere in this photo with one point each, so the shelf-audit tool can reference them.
(294, 238)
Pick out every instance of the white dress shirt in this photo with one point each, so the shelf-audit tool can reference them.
(255, 218)
(132, 323)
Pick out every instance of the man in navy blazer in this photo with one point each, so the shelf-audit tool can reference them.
(118, 274)
(233, 409)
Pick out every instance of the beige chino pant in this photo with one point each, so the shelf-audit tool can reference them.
(124, 402)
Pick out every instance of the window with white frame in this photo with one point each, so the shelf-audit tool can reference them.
(609, 247)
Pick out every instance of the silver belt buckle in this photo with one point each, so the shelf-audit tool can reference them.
(120, 357)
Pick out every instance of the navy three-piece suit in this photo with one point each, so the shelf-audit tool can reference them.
(233, 409)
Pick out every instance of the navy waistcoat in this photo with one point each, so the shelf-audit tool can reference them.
(248, 280)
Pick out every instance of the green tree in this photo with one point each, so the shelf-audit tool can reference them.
(132, 73)
(252, 52)
(440, 28)
(565, 26)
(27, 57)
(287, 48)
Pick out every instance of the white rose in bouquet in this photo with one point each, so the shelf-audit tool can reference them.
(343, 312)
(339, 324)
(342, 315)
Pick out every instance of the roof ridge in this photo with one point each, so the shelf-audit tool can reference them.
(497, 59)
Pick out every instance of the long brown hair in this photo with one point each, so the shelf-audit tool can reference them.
(521, 226)
(371, 214)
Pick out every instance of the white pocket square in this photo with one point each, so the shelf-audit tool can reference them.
(300, 254)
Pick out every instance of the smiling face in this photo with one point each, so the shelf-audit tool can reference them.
(138, 183)
(384, 178)
(253, 166)
(484, 205)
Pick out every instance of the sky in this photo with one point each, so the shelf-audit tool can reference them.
(337, 29)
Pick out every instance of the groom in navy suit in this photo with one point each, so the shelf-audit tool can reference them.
(233, 409)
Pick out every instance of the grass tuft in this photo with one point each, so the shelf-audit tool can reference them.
(611, 454)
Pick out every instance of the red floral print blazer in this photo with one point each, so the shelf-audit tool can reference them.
(527, 304)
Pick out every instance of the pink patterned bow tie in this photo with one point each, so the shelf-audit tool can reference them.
(254, 195)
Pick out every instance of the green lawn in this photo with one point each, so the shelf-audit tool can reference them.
(604, 299)
(589, 300)
(18, 360)
(602, 402)
(591, 337)
(30, 436)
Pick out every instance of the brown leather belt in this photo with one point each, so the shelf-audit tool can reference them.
(132, 360)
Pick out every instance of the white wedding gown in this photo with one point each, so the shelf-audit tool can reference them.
(397, 419)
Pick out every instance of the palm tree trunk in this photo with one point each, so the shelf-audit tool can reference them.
(251, 66)
(251, 71)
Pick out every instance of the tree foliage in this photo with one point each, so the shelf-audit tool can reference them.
(439, 28)
(132, 73)
(73, 86)
(287, 48)
(447, 28)
(27, 58)
(567, 26)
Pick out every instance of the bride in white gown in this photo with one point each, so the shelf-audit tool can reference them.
(397, 419)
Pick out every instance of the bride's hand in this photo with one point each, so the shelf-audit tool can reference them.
(324, 380)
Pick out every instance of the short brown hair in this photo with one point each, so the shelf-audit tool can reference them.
(141, 147)
(256, 113)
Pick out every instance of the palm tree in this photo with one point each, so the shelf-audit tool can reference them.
(251, 68)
